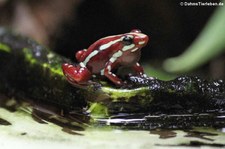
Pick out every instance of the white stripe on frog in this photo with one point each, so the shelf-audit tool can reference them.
(109, 44)
(125, 48)
(92, 54)
(115, 56)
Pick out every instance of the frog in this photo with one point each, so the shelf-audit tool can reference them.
(106, 55)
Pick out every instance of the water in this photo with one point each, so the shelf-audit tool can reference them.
(32, 124)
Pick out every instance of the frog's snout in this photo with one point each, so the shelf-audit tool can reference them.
(141, 41)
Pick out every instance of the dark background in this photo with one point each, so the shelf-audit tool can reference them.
(72, 25)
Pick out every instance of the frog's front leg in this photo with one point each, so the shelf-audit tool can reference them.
(111, 76)
(138, 69)
(76, 75)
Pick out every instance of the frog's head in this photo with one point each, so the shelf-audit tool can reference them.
(128, 42)
(134, 40)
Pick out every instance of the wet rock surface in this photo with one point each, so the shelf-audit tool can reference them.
(185, 94)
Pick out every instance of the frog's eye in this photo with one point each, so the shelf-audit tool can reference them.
(127, 40)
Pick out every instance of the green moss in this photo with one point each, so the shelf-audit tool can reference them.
(98, 110)
(29, 57)
(5, 48)
(53, 70)
(125, 93)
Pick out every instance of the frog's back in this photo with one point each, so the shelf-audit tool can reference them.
(84, 55)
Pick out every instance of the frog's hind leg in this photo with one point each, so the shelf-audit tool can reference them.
(76, 75)
(80, 55)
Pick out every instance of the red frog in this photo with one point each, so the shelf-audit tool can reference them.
(106, 55)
